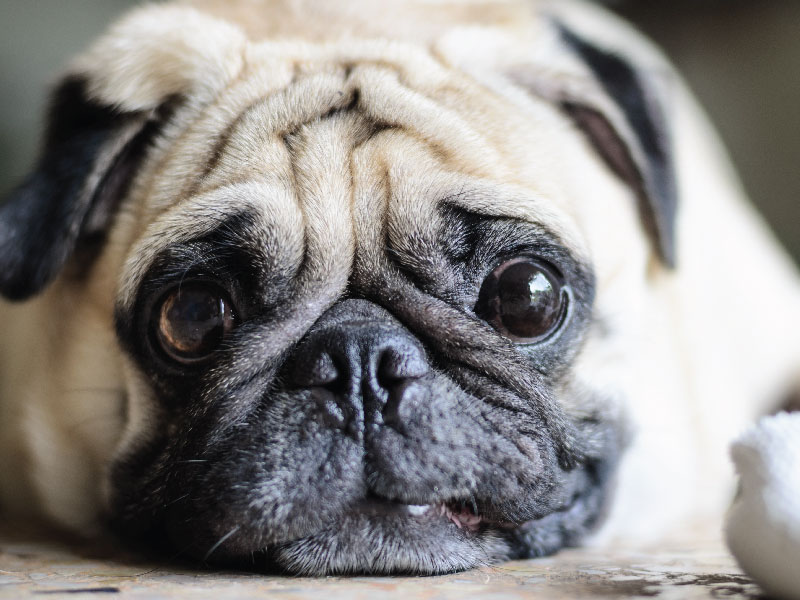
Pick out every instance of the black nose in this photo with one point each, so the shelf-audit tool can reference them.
(359, 361)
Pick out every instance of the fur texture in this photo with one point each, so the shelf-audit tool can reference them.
(350, 181)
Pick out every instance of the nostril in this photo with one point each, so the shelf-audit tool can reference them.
(319, 370)
(396, 365)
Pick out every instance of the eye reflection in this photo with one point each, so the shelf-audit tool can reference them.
(523, 299)
(192, 321)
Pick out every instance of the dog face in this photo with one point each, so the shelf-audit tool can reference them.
(360, 297)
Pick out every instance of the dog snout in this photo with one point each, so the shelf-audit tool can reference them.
(360, 364)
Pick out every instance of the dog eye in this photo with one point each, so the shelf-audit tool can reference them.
(524, 300)
(192, 320)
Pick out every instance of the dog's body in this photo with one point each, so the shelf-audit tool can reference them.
(348, 178)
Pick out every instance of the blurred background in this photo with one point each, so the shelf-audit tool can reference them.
(741, 57)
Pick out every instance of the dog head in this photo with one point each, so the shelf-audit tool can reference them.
(360, 290)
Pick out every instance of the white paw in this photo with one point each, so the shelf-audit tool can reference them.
(763, 524)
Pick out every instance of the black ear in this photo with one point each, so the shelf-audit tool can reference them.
(88, 160)
(641, 154)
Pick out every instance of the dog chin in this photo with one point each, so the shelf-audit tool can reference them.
(391, 538)
(381, 537)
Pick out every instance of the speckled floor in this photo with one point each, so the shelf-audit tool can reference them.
(35, 565)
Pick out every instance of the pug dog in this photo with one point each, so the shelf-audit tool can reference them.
(397, 287)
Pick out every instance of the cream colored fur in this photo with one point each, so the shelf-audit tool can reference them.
(697, 352)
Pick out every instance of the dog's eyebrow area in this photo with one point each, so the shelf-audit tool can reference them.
(268, 255)
(446, 242)
(240, 251)
(264, 252)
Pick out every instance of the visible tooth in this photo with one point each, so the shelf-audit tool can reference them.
(418, 509)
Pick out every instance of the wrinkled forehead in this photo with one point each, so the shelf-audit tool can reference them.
(333, 159)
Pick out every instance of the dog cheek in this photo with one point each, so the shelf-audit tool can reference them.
(277, 476)
(450, 446)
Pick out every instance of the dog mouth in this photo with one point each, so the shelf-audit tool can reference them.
(376, 535)
(381, 536)
(463, 514)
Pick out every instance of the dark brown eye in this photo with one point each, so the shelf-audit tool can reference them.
(523, 299)
(192, 321)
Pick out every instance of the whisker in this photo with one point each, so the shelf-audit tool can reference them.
(174, 500)
(474, 503)
(220, 542)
